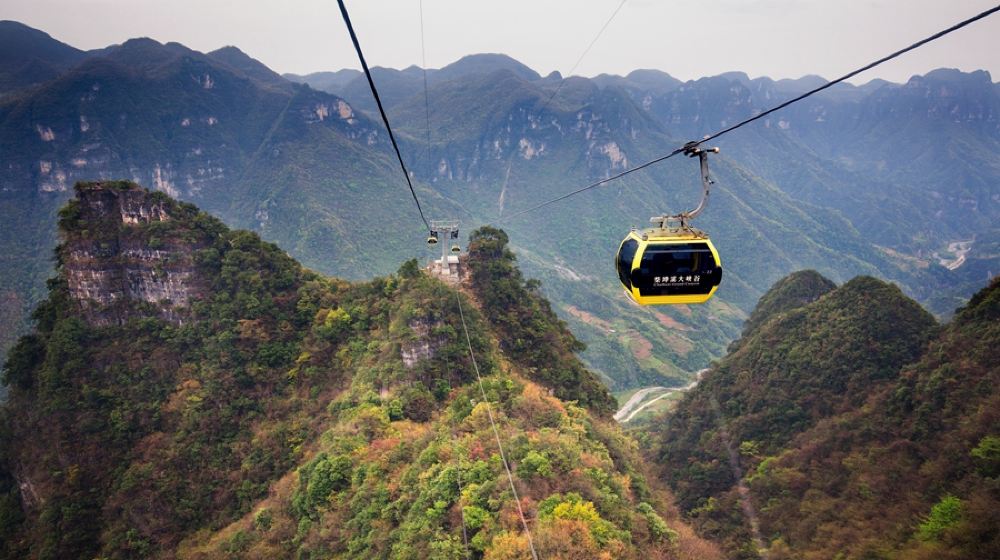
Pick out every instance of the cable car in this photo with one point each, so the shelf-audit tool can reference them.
(673, 262)
(669, 265)
(447, 229)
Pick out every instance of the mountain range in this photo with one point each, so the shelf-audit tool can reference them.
(897, 181)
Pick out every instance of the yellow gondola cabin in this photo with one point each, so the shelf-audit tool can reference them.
(672, 262)
(664, 266)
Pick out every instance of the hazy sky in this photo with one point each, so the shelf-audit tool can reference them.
(688, 39)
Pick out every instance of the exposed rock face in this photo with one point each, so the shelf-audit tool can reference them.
(114, 260)
(424, 346)
(99, 202)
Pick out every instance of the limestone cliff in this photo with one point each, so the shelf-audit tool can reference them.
(119, 262)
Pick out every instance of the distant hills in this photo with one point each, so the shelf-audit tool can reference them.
(220, 129)
(30, 57)
(942, 128)
(880, 179)
(396, 86)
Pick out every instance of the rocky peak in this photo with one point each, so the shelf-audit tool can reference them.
(122, 257)
(485, 63)
(109, 201)
(423, 345)
(945, 94)
(655, 80)
(249, 66)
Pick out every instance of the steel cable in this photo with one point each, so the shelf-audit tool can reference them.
(381, 110)
(809, 93)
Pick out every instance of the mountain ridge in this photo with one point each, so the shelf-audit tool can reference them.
(30, 57)
(854, 416)
(230, 402)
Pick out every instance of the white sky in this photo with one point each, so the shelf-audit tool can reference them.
(689, 39)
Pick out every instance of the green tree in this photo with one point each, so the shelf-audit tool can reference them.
(528, 329)
(944, 515)
(987, 456)
(535, 464)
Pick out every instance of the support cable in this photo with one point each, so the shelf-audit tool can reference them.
(465, 532)
(423, 67)
(381, 110)
(687, 147)
(496, 433)
(585, 51)
(454, 437)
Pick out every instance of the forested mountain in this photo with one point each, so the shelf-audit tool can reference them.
(309, 170)
(912, 166)
(29, 57)
(856, 427)
(397, 86)
(218, 129)
(190, 391)
(330, 82)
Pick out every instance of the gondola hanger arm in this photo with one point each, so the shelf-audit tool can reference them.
(692, 149)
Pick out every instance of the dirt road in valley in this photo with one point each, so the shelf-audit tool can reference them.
(635, 405)
(633, 402)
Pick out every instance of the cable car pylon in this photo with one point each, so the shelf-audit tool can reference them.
(445, 234)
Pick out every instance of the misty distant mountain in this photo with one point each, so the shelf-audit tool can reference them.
(330, 82)
(250, 67)
(880, 179)
(396, 86)
(29, 56)
(226, 134)
(913, 166)
(484, 64)
(640, 81)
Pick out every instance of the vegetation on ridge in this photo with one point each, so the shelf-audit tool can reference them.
(292, 415)
(860, 428)
(526, 326)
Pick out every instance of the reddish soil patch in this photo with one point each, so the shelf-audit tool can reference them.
(670, 322)
(588, 318)
(641, 348)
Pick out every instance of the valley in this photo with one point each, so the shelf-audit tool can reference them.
(644, 398)
(223, 334)
(262, 410)
(306, 167)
